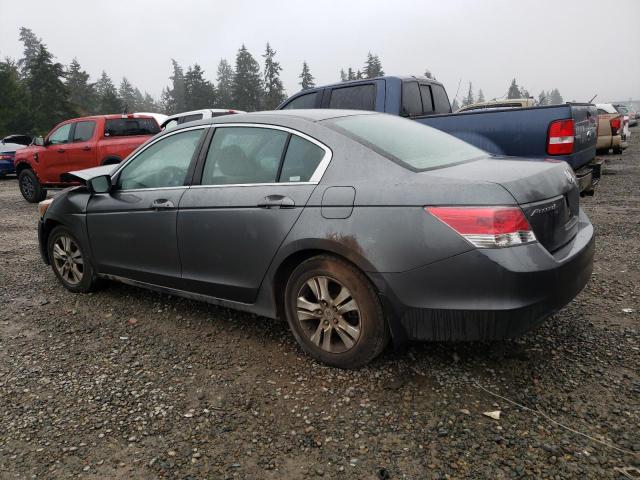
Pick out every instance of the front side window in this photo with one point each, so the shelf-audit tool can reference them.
(124, 127)
(244, 155)
(61, 135)
(171, 123)
(163, 164)
(83, 131)
(307, 100)
(407, 142)
(301, 160)
(357, 97)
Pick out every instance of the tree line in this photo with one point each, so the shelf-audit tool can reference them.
(36, 92)
(551, 97)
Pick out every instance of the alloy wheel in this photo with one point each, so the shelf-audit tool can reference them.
(27, 186)
(67, 259)
(328, 314)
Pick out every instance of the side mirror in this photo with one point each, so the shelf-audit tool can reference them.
(38, 141)
(101, 184)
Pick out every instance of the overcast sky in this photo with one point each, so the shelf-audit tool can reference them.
(580, 47)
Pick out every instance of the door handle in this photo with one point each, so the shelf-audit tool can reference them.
(86, 149)
(162, 204)
(276, 201)
(60, 150)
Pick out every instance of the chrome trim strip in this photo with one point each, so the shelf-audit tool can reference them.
(274, 184)
(182, 187)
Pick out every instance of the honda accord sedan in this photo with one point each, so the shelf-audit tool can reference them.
(356, 227)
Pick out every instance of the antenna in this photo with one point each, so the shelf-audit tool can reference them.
(593, 98)
(459, 82)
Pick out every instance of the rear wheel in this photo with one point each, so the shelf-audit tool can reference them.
(617, 150)
(68, 261)
(334, 312)
(30, 186)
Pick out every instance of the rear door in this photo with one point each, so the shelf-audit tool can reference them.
(81, 150)
(133, 229)
(254, 182)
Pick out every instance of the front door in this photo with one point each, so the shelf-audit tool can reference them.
(53, 156)
(81, 150)
(133, 228)
(253, 186)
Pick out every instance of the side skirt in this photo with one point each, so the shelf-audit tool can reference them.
(245, 307)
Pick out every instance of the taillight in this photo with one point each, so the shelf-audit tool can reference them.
(615, 125)
(561, 137)
(487, 227)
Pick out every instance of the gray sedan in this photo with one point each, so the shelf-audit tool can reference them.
(356, 227)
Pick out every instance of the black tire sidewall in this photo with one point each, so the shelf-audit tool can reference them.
(39, 193)
(88, 279)
(373, 330)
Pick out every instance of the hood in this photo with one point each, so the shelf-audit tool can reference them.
(87, 173)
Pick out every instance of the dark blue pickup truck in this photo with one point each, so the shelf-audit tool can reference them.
(561, 132)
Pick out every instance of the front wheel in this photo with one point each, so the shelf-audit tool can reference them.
(30, 186)
(335, 313)
(69, 262)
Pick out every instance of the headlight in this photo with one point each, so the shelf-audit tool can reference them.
(43, 205)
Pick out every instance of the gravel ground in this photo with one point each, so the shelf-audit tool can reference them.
(125, 383)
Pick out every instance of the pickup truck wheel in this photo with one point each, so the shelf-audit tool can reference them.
(617, 151)
(30, 186)
(335, 313)
(69, 262)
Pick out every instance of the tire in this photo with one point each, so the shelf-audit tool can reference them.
(79, 276)
(335, 333)
(30, 186)
(617, 151)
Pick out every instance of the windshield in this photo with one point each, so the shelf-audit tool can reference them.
(410, 143)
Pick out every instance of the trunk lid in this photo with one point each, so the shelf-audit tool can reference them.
(546, 191)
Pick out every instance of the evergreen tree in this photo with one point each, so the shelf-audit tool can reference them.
(524, 93)
(225, 85)
(514, 90)
(372, 67)
(273, 88)
(127, 96)
(138, 99)
(175, 97)
(428, 74)
(108, 100)
(48, 95)
(32, 45)
(14, 110)
(343, 75)
(148, 104)
(555, 97)
(455, 106)
(468, 100)
(351, 74)
(543, 98)
(247, 84)
(82, 94)
(480, 98)
(199, 92)
(306, 79)
(359, 75)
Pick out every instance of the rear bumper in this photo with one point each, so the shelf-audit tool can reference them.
(6, 167)
(489, 294)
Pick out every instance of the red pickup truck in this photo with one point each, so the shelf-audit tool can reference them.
(77, 144)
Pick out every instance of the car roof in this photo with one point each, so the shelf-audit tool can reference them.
(203, 110)
(110, 116)
(384, 77)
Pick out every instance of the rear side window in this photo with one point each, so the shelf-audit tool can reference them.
(244, 155)
(411, 102)
(84, 131)
(406, 142)
(301, 160)
(358, 97)
(427, 101)
(440, 99)
(191, 118)
(303, 101)
(124, 127)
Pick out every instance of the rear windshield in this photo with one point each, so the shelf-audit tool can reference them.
(407, 142)
(124, 127)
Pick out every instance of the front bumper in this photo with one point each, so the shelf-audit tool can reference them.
(489, 294)
(6, 167)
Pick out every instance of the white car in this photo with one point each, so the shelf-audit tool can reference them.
(184, 117)
(160, 117)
